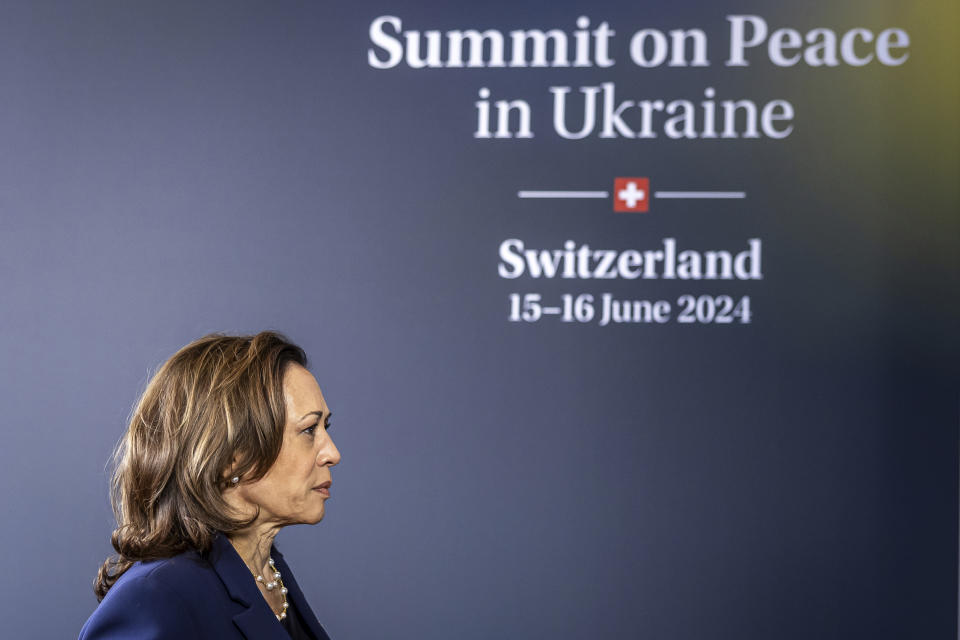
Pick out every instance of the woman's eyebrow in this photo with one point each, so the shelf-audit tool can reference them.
(319, 414)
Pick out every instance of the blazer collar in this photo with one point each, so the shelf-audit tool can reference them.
(256, 621)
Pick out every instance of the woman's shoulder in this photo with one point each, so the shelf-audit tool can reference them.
(154, 596)
(162, 570)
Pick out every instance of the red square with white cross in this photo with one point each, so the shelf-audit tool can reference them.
(631, 195)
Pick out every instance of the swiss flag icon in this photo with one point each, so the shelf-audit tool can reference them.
(631, 195)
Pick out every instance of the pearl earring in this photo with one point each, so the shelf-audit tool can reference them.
(235, 479)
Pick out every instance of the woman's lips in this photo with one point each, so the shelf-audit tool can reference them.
(323, 488)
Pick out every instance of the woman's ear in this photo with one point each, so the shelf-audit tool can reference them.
(230, 478)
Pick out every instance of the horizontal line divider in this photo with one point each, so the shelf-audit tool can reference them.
(700, 194)
(562, 194)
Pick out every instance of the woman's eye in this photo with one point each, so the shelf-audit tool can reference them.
(312, 430)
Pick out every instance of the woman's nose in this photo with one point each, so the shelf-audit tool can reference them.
(329, 454)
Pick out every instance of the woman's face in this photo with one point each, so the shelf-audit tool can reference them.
(296, 487)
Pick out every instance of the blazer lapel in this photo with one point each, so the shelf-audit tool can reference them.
(297, 599)
(256, 621)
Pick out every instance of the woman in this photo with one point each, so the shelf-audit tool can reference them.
(227, 445)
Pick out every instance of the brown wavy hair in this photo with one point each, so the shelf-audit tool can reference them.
(214, 409)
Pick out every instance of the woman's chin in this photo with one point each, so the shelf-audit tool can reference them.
(314, 517)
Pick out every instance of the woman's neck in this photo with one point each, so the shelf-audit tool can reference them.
(253, 545)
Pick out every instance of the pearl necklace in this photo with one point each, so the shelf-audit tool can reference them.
(273, 584)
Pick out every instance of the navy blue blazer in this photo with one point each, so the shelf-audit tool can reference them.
(193, 595)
